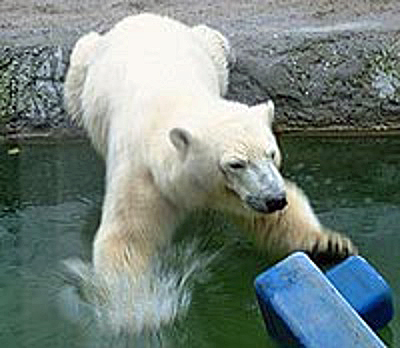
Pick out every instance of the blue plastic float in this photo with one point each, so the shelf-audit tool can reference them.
(303, 307)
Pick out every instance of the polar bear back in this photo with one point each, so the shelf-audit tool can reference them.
(144, 56)
(149, 51)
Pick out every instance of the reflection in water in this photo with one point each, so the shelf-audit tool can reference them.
(50, 202)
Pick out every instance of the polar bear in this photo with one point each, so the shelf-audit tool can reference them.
(150, 93)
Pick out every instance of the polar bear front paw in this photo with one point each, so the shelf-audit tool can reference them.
(331, 247)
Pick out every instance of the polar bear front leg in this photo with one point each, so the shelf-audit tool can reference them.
(296, 227)
(136, 222)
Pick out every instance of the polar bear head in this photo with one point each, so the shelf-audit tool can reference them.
(232, 158)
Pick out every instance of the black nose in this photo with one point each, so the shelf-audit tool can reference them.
(276, 204)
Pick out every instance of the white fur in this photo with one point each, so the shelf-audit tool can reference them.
(149, 93)
(219, 50)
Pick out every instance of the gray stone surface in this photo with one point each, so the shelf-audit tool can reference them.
(31, 88)
(328, 65)
(336, 79)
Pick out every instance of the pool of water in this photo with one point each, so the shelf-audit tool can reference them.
(50, 204)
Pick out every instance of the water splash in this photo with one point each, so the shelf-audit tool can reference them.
(136, 307)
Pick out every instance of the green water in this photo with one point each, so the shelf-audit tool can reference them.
(50, 201)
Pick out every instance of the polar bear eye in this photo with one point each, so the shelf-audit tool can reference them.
(237, 164)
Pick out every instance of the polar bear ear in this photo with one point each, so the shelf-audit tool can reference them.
(181, 139)
(266, 110)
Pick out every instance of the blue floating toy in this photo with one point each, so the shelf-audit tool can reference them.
(304, 308)
(365, 289)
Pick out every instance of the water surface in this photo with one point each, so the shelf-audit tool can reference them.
(50, 204)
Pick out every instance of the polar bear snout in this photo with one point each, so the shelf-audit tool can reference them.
(276, 204)
(267, 204)
(268, 194)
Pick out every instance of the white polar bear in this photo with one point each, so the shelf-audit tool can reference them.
(150, 95)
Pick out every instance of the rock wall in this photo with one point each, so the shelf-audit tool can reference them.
(335, 80)
(31, 88)
(339, 73)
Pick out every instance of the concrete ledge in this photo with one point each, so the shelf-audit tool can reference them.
(327, 66)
